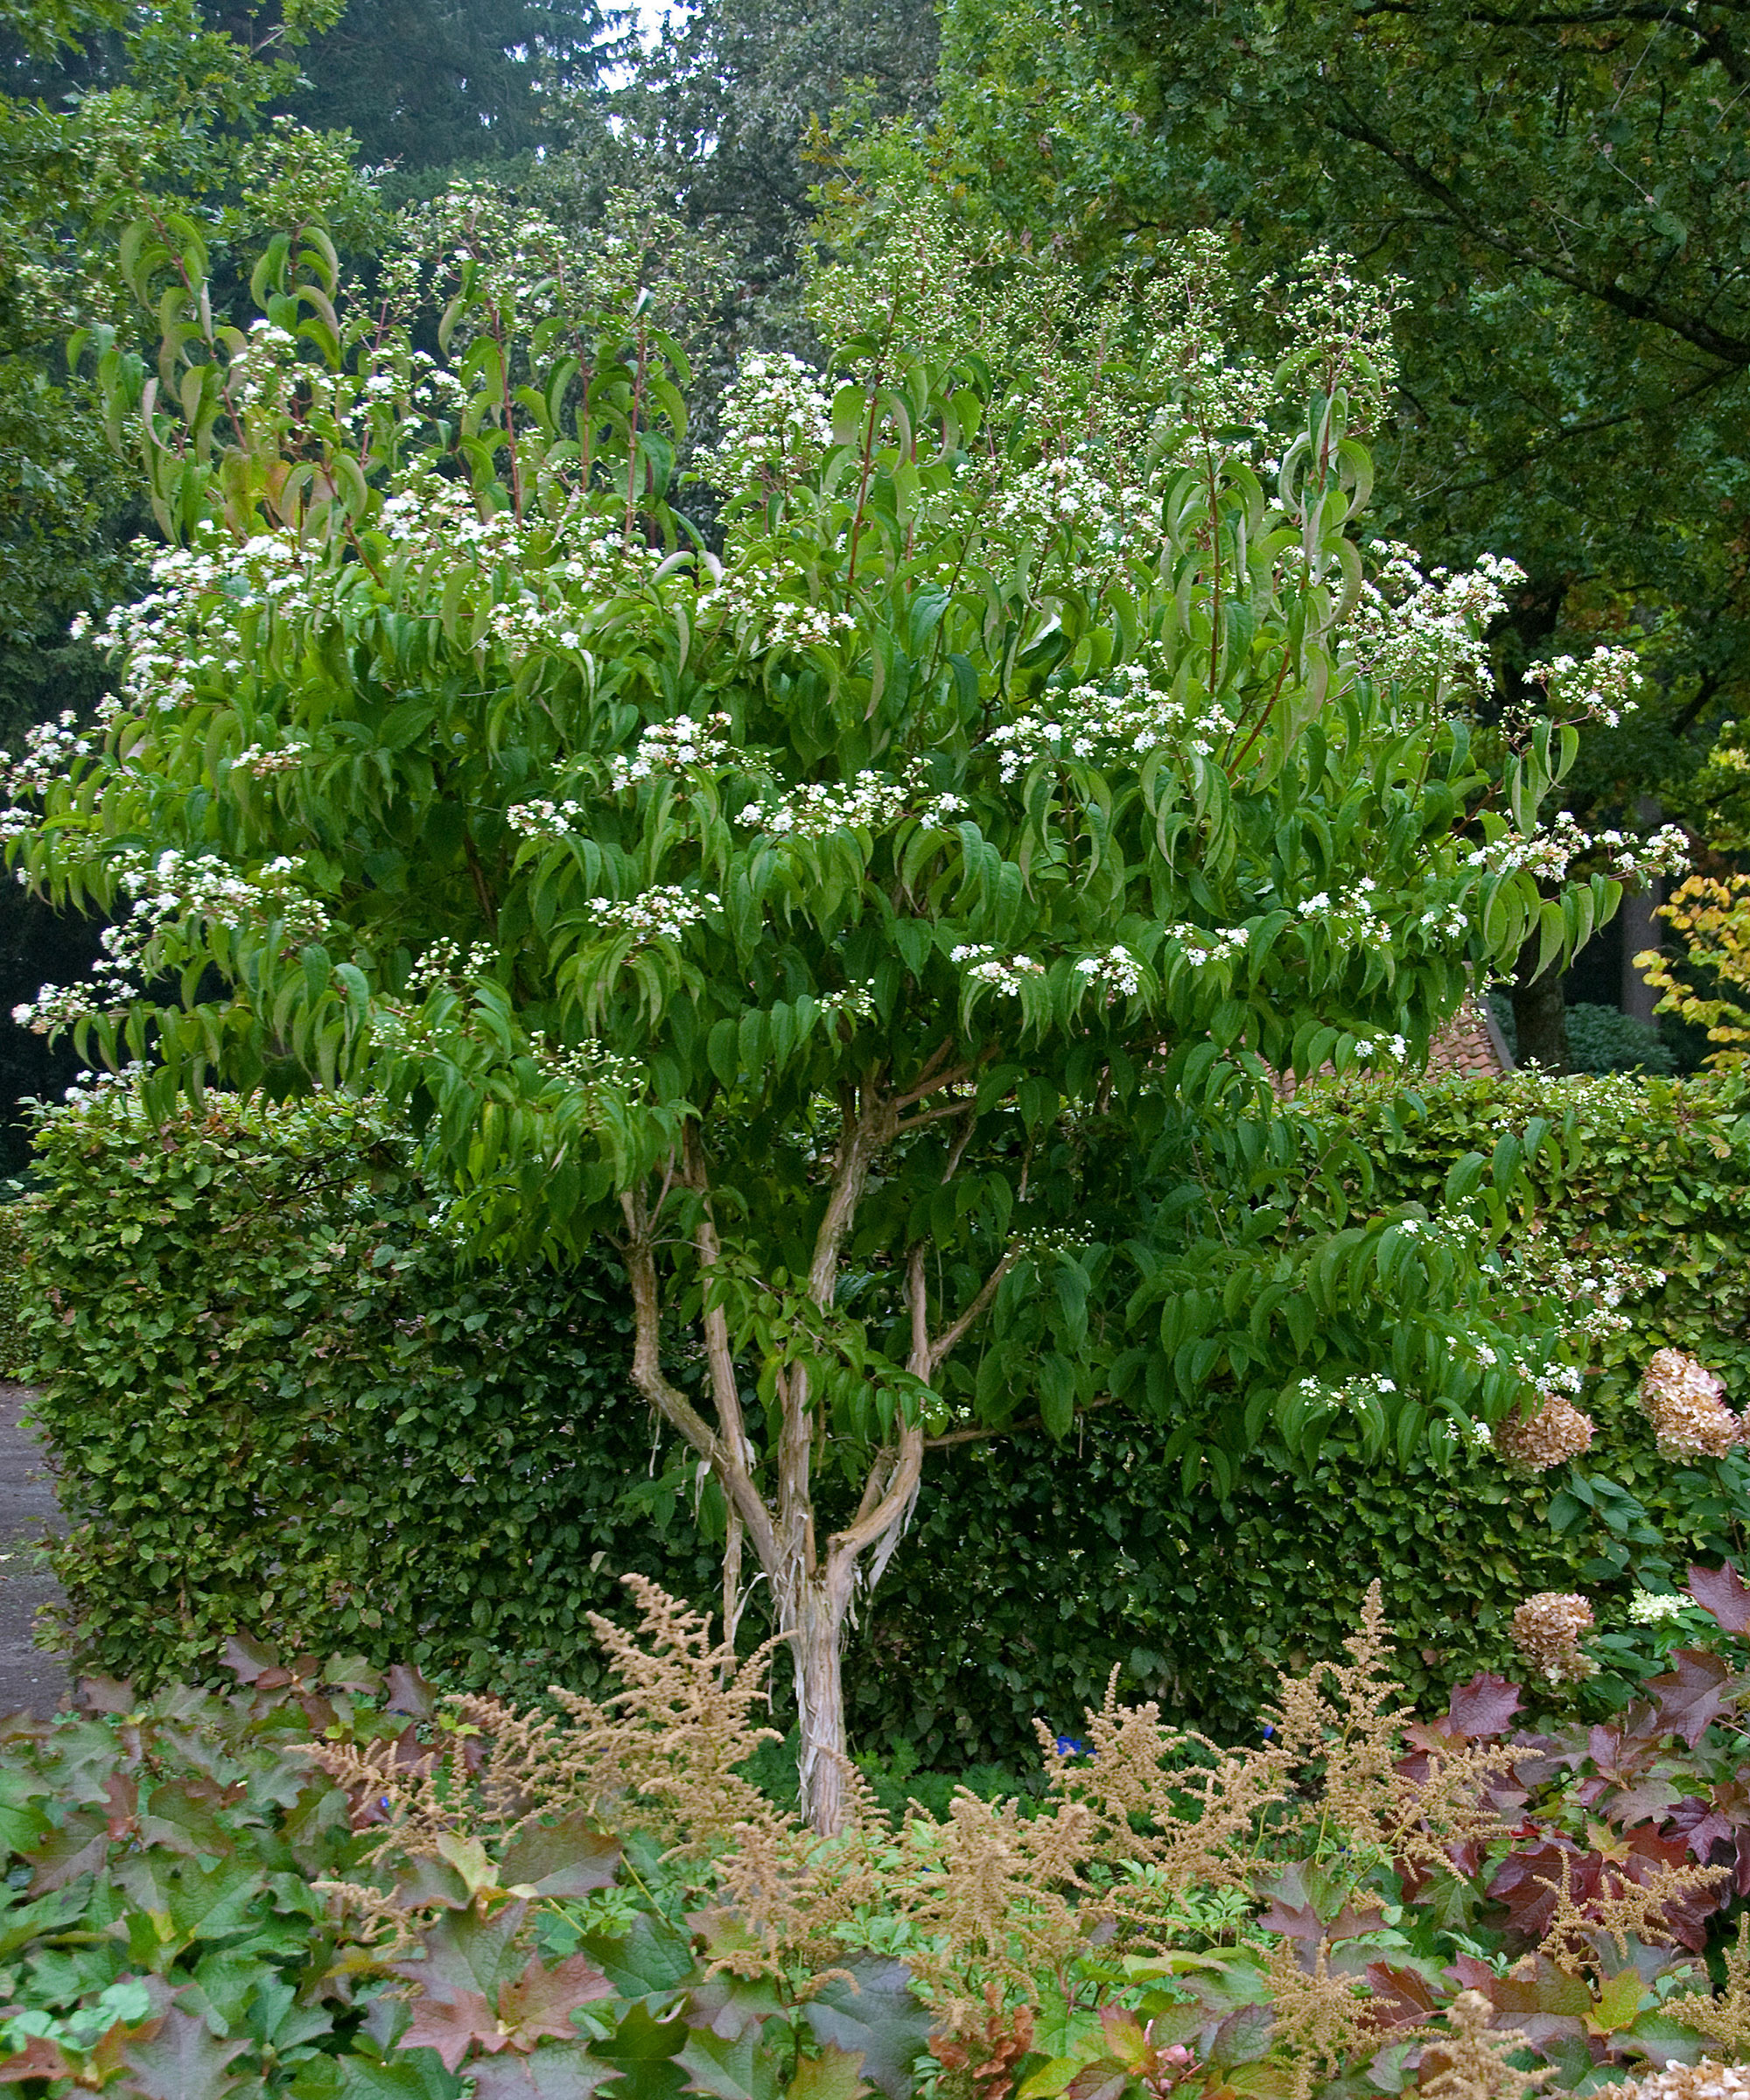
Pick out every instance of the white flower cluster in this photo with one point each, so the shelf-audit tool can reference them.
(1425, 630)
(543, 819)
(1124, 718)
(1202, 944)
(1603, 689)
(180, 890)
(48, 745)
(1041, 1240)
(759, 604)
(262, 760)
(1352, 913)
(1590, 1289)
(672, 748)
(870, 801)
(1117, 969)
(1549, 853)
(856, 1002)
(662, 913)
(985, 966)
(1065, 496)
(444, 962)
(586, 1065)
(1650, 1607)
(776, 425)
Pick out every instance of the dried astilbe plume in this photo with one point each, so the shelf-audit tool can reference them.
(676, 1733)
(1317, 2019)
(1469, 2060)
(1183, 1815)
(1547, 1630)
(1546, 1435)
(1619, 1908)
(1685, 1404)
(1726, 2017)
(987, 1894)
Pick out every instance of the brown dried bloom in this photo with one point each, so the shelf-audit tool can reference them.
(1619, 1908)
(1185, 1815)
(1548, 1629)
(1704, 2081)
(1684, 1401)
(1318, 2019)
(1726, 2017)
(1469, 2060)
(1548, 1435)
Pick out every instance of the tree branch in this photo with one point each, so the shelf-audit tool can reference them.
(668, 1398)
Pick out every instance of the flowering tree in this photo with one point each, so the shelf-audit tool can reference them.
(882, 929)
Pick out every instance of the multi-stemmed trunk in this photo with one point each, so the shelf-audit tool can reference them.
(813, 1583)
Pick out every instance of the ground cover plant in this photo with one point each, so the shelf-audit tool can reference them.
(332, 1881)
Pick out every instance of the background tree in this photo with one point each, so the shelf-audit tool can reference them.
(424, 87)
(881, 935)
(1562, 197)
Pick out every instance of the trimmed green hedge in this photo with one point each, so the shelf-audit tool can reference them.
(1033, 1570)
(280, 1403)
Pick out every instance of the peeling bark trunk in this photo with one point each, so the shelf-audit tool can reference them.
(814, 1619)
(812, 1589)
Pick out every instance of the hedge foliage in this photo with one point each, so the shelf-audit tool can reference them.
(278, 1404)
(1033, 1569)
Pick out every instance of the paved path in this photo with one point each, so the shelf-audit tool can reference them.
(28, 1677)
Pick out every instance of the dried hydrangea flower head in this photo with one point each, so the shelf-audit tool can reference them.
(1685, 1404)
(1548, 1435)
(1704, 2081)
(1548, 1629)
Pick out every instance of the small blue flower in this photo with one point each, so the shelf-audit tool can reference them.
(1269, 1728)
(1072, 1746)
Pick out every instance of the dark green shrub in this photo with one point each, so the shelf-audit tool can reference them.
(277, 1401)
(1034, 1569)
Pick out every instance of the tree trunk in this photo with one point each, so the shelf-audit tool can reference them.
(810, 1613)
(1641, 928)
(1540, 1014)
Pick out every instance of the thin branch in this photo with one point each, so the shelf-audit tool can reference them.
(951, 1337)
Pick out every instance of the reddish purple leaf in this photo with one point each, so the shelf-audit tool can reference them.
(1484, 1706)
(452, 2026)
(1722, 1592)
(1694, 1694)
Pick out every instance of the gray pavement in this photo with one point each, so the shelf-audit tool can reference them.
(28, 1676)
